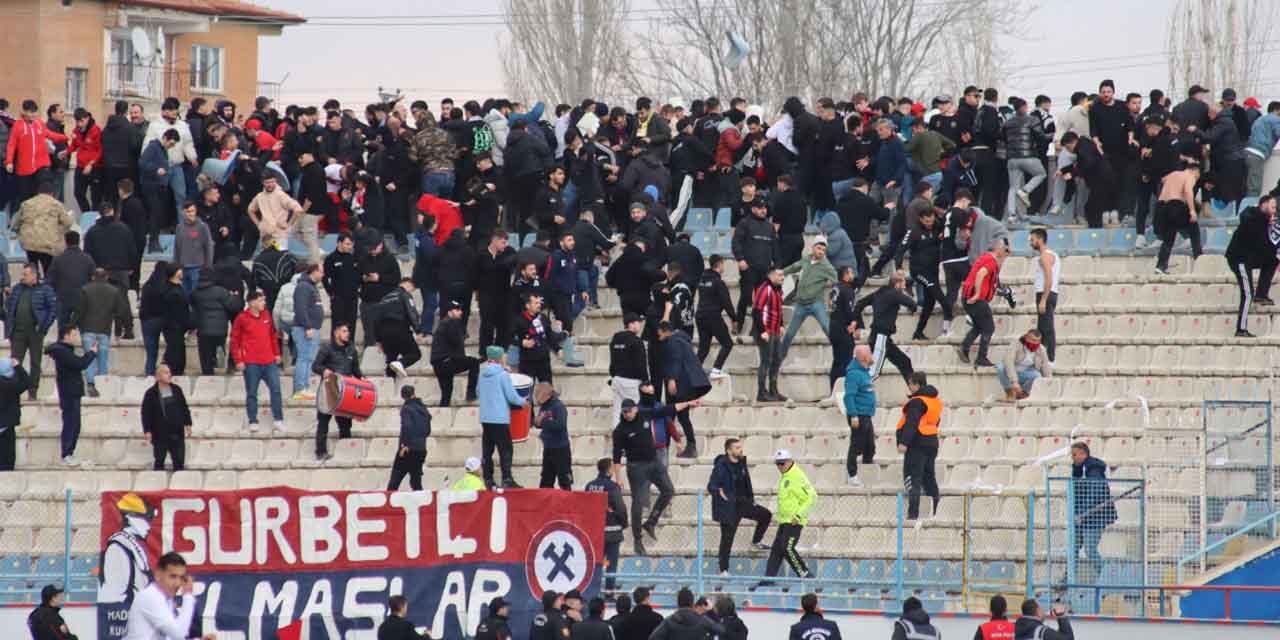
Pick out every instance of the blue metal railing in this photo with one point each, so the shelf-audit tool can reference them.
(1269, 519)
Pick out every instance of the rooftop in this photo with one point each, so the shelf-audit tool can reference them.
(222, 8)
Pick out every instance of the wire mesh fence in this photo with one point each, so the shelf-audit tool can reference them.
(49, 542)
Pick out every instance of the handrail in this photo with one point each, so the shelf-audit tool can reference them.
(1163, 589)
(1207, 549)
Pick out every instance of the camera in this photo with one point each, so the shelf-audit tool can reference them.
(1007, 294)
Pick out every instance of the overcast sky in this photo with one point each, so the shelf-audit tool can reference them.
(1069, 45)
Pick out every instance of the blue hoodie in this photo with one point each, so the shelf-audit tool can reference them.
(859, 394)
(497, 395)
(839, 246)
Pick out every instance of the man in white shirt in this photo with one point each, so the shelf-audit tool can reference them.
(155, 614)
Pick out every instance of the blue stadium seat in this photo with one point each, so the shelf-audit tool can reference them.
(723, 242)
(87, 219)
(669, 566)
(704, 241)
(910, 570)
(1245, 203)
(50, 565)
(937, 572)
(1019, 241)
(663, 600)
(742, 566)
(868, 599)
(636, 565)
(1001, 571)
(699, 219)
(836, 569)
(1090, 241)
(83, 564)
(15, 565)
(527, 239)
(837, 602)
(1062, 239)
(767, 597)
(1120, 242)
(166, 248)
(16, 252)
(329, 242)
(1223, 209)
(872, 571)
(1217, 239)
(934, 600)
(723, 215)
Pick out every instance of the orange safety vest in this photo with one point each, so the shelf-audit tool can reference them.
(930, 420)
(997, 630)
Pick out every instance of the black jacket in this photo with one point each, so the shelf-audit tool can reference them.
(176, 308)
(685, 624)
(589, 241)
(856, 213)
(683, 366)
(493, 628)
(627, 356)
(397, 628)
(341, 359)
(1252, 243)
(689, 258)
(1163, 158)
(924, 244)
(755, 241)
(727, 478)
(543, 343)
(548, 625)
(655, 241)
(272, 268)
(70, 368)
(449, 341)
(213, 308)
(1112, 125)
(397, 308)
(640, 624)
(154, 418)
(909, 434)
(111, 245)
(812, 626)
(843, 304)
(11, 389)
(526, 155)
(615, 519)
(1024, 136)
(787, 209)
(631, 275)
(919, 623)
(388, 269)
(116, 137)
(884, 303)
(46, 623)
(415, 425)
(592, 629)
(455, 263)
(341, 275)
(713, 297)
(133, 213)
(68, 274)
(493, 274)
(1029, 629)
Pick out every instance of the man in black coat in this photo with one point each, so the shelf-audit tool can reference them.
(495, 627)
(13, 382)
(594, 627)
(397, 626)
(68, 274)
(342, 281)
(338, 357)
(110, 244)
(116, 161)
(733, 500)
(166, 420)
(415, 428)
(133, 213)
(755, 247)
(395, 320)
(689, 257)
(449, 356)
(713, 300)
(379, 275)
(1253, 246)
(493, 268)
(643, 619)
(631, 275)
(856, 212)
(685, 379)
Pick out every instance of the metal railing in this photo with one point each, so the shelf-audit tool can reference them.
(150, 82)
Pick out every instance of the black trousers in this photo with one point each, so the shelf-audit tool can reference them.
(410, 464)
(446, 369)
(747, 282)
(932, 295)
(686, 423)
(496, 436)
(1147, 191)
(883, 348)
(523, 191)
(1126, 172)
(557, 466)
(784, 546)
(862, 442)
(87, 189)
(207, 347)
(918, 475)
(561, 306)
(343, 309)
(611, 549)
(8, 448)
(987, 171)
(1244, 280)
(42, 260)
(28, 186)
(398, 343)
(495, 322)
(322, 431)
(862, 264)
(729, 530)
(1172, 218)
(111, 177)
(175, 350)
(709, 328)
(1044, 323)
(956, 271)
(887, 253)
(841, 353)
(536, 368)
(984, 326)
(24, 344)
(790, 248)
(172, 445)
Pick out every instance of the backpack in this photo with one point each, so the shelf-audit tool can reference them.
(284, 304)
(481, 138)
(708, 132)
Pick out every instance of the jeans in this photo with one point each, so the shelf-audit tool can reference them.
(934, 180)
(1254, 163)
(1026, 378)
(253, 374)
(307, 348)
(190, 278)
(177, 176)
(817, 309)
(841, 188)
(430, 302)
(151, 330)
(1018, 169)
(640, 475)
(99, 364)
(589, 281)
(770, 362)
(438, 183)
(1089, 538)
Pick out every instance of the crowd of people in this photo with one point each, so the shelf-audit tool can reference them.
(600, 189)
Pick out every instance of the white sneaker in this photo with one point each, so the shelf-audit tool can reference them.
(1055, 210)
(855, 482)
(717, 373)
(70, 461)
(253, 427)
(1140, 242)
(1024, 197)
(919, 524)
(277, 426)
(398, 369)
(724, 574)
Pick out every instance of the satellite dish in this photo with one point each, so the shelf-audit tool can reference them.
(141, 43)
(159, 48)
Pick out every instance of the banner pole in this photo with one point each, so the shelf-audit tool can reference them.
(66, 544)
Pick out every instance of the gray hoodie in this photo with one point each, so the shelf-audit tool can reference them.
(193, 244)
(986, 231)
(839, 246)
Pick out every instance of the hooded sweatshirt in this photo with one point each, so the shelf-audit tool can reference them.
(917, 621)
(497, 395)
(1026, 629)
(686, 624)
(839, 247)
(193, 244)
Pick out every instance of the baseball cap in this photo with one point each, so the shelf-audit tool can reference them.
(822, 240)
(781, 455)
(1252, 103)
(48, 592)
(631, 316)
(628, 403)
(472, 464)
(759, 202)
(497, 603)
(493, 352)
(573, 594)
(1228, 94)
(943, 99)
(1196, 90)
(451, 305)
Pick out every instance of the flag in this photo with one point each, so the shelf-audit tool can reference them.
(291, 631)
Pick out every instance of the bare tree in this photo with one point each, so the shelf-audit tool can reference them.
(972, 53)
(564, 50)
(1219, 43)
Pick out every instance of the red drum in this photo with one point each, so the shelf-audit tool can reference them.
(349, 397)
(522, 416)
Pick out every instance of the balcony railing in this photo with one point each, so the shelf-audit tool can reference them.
(152, 82)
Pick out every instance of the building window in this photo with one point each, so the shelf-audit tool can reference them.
(77, 87)
(122, 60)
(206, 68)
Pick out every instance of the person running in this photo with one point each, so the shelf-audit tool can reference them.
(796, 497)
(885, 304)
(1253, 246)
(336, 358)
(859, 406)
(685, 379)
(733, 500)
(918, 442)
(713, 300)
(1047, 276)
(924, 243)
(978, 289)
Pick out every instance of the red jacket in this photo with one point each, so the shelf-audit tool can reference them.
(767, 305)
(87, 146)
(254, 340)
(730, 141)
(447, 214)
(28, 150)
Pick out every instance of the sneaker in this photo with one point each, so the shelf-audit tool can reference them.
(764, 396)
(511, 484)
(31, 395)
(70, 461)
(397, 369)
(277, 426)
(324, 457)
(919, 524)
(689, 452)
(304, 395)
(717, 373)
(1054, 210)
(1161, 272)
(855, 482)
(983, 362)
(574, 365)
(1140, 242)
(92, 391)
(919, 336)
(639, 548)
(471, 397)
(651, 528)
(253, 427)
(724, 574)
(963, 354)
(1244, 333)
(1264, 302)
(1024, 198)
(764, 546)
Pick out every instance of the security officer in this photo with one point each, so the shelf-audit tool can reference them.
(549, 624)
(796, 497)
(495, 626)
(998, 627)
(914, 623)
(812, 626)
(918, 440)
(615, 520)
(471, 480)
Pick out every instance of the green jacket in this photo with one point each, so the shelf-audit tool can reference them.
(815, 279)
(795, 497)
(926, 150)
(469, 482)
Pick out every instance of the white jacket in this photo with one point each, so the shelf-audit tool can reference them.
(184, 151)
(498, 125)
